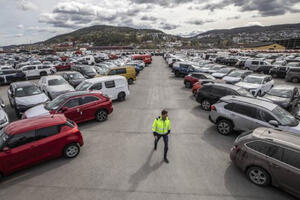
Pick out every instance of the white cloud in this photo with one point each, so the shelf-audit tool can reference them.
(26, 5)
(19, 35)
(254, 24)
(20, 26)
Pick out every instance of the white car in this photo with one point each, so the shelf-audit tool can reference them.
(115, 87)
(257, 84)
(54, 86)
(31, 71)
(236, 76)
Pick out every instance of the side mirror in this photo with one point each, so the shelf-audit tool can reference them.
(6, 149)
(274, 123)
(64, 109)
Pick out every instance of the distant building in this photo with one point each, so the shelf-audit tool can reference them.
(263, 46)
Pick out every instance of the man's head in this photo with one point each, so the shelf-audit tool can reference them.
(164, 114)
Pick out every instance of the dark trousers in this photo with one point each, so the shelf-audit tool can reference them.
(166, 139)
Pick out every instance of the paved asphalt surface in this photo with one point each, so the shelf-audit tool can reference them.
(118, 161)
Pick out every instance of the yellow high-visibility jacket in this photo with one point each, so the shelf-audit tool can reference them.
(161, 127)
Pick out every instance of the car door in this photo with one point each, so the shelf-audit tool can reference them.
(263, 117)
(217, 93)
(47, 144)
(22, 151)
(90, 105)
(110, 88)
(74, 111)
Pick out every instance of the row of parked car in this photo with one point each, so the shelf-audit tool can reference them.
(241, 101)
(50, 111)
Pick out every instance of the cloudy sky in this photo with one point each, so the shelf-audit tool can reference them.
(28, 21)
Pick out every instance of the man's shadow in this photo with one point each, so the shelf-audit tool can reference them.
(145, 170)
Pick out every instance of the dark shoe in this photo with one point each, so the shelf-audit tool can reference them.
(166, 160)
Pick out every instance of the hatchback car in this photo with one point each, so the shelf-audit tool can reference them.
(194, 77)
(54, 86)
(73, 78)
(268, 156)
(25, 95)
(30, 141)
(78, 106)
(286, 96)
(211, 93)
(237, 113)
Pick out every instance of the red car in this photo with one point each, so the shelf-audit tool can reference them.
(78, 106)
(196, 88)
(147, 58)
(30, 141)
(63, 66)
(195, 77)
(113, 56)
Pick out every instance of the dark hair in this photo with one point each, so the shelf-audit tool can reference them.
(164, 112)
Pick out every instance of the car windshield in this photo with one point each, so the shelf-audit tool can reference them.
(236, 74)
(83, 86)
(27, 91)
(284, 117)
(75, 76)
(244, 92)
(55, 103)
(216, 68)
(89, 70)
(281, 93)
(53, 82)
(3, 138)
(252, 79)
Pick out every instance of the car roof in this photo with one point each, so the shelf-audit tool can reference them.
(53, 77)
(249, 100)
(230, 86)
(22, 84)
(284, 87)
(105, 78)
(25, 125)
(258, 75)
(281, 137)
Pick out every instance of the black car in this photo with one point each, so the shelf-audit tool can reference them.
(278, 72)
(211, 93)
(11, 75)
(73, 78)
(264, 69)
(87, 71)
(25, 95)
(286, 96)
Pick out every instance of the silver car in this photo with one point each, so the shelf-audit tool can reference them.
(3, 115)
(54, 86)
(237, 113)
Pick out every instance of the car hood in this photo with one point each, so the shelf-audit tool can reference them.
(248, 85)
(38, 110)
(232, 79)
(32, 100)
(58, 88)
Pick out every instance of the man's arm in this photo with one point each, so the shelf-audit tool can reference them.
(169, 128)
(154, 125)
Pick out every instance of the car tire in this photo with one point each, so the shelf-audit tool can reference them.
(205, 105)
(121, 96)
(130, 81)
(295, 80)
(177, 74)
(224, 127)
(188, 84)
(259, 93)
(258, 176)
(101, 115)
(71, 150)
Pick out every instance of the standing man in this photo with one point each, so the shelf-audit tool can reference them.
(161, 128)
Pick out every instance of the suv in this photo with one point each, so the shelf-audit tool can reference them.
(293, 74)
(25, 95)
(278, 71)
(128, 72)
(32, 71)
(78, 106)
(268, 156)
(211, 93)
(257, 65)
(243, 114)
(27, 142)
(183, 69)
(195, 77)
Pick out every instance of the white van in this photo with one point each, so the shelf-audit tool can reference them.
(32, 71)
(115, 87)
(254, 65)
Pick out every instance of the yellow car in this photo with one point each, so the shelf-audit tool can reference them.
(127, 71)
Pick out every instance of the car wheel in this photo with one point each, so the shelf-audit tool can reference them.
(259, 93)
(101, 115)
(121, 96)
(177, 74)
(205, 104)
(130, 81)
(224, 127)
(258, 176)
(71, 150)
(295, 80)
(188, 84)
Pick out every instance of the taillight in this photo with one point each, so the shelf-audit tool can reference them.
(212, 107)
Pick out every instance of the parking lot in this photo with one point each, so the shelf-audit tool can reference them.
(118, 161)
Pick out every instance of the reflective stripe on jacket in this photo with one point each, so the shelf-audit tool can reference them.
(160, 126)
